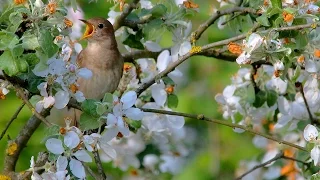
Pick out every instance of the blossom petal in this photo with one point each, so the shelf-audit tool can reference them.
(71, 139)
(111, 119)
(129, 99)
(109, 150)
(152, 46)
(62, 163)
(82, 155)
(310, 133)
(163, 60)
(77, 168)
(159, 94)
(176, 122)
(61, 99)
(134, 113)
(55, 146)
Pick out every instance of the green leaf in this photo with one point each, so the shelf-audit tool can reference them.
(250, 95)
(30, 42)
(101, 108)
(12, 65)
(276, 3)
(168, 81)
(108, 97)
(272, 97)
(263, 20)
(8, 40)
(296, 74)
(158, 11)
(134, 125)
(153, 29)
(301, 40)
(31, 59)
(133, 41)
(46, 43)
(88, 122)
(33, 82)
(16, 19)
(260, 99)
(89, 106)
(172, 101)
(315, 176)
(273, 11)
(17, 51)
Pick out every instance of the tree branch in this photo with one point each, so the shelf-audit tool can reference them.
(131, 56)
(25, 99)
(277, 157)
(313, 121)
(225, 123)
(126, 11)
(134, 24)
(181, 59)
(99, 164)
(20, 142)
(203, 27)
(41, 161)
(15, 115)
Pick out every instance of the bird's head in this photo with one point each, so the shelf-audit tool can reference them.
(97, 29)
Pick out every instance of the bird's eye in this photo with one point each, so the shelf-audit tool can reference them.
(100, 26)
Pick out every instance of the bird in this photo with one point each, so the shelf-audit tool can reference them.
(102, 57)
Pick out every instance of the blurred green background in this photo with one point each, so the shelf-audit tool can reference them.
(221, 149)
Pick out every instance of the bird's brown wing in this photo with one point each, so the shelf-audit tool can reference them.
(80, 59)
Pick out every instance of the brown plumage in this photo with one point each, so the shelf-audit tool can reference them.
(102, 57)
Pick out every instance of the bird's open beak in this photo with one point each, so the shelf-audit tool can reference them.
(89, 29)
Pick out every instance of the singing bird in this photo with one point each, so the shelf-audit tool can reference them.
(102, 57)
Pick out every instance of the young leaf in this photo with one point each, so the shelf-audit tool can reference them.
(46, 43)
(133, 41)
(158, 11)
(263, 20)
(12, 65)
(89, 106)
(172, 101)
(260, 99)
(271, 97)
(88, 122)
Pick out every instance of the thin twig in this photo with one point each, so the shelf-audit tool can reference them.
(41, 161)
(181, 59)
(203, 27)
(277, 157)
(225, 123)
(99, 164)
(15, 115)
(297, 160)
(87, 168)
(21, 141)
(25, 99)
(313, 121)
(134, 24)
(126, 11)
(232, 18)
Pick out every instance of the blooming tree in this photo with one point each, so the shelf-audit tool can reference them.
(274, 95)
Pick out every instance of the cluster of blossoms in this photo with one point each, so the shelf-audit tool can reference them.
(117, 129)
(280, 91)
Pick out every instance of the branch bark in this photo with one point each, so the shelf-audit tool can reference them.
(203, 27)
(21, 141)
(126, 11)
(15, 115)
(225, 123)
